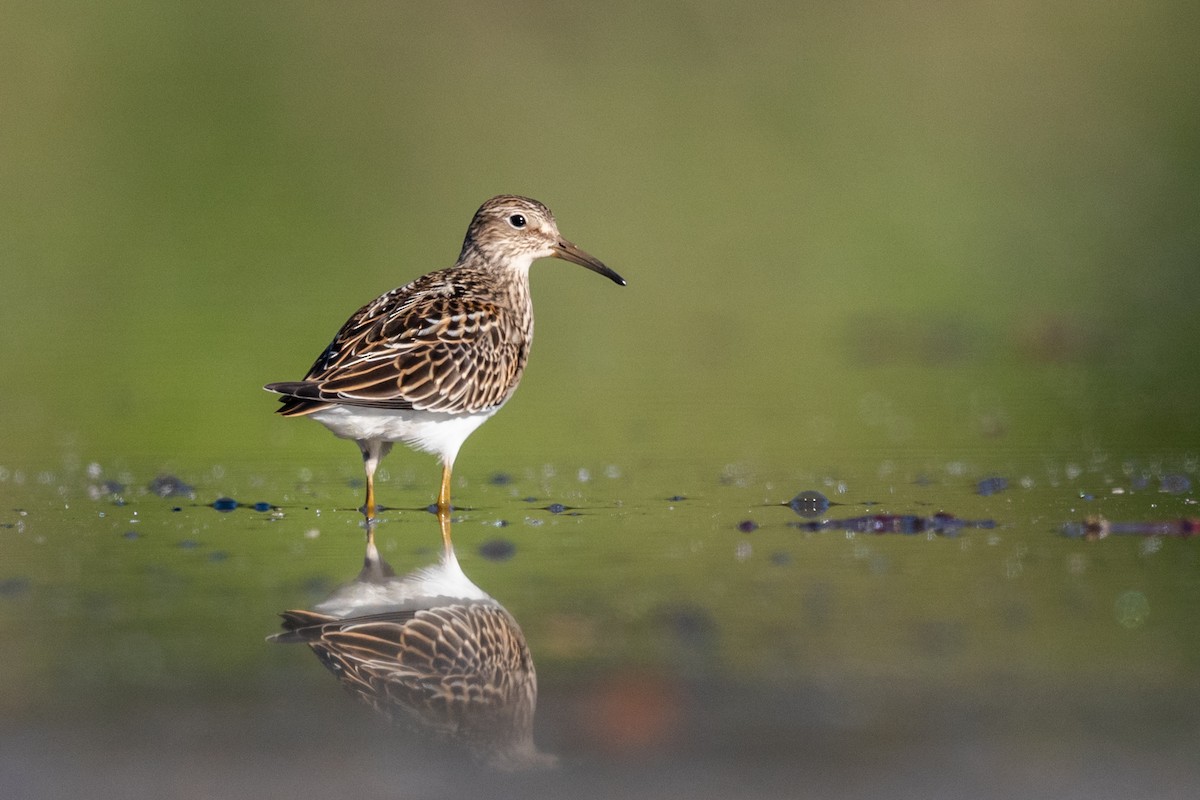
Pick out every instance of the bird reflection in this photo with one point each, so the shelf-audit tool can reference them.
(431, 651)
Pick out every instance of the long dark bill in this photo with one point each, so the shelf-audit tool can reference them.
(569, 252)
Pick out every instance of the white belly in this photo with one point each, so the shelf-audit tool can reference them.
(428, 431)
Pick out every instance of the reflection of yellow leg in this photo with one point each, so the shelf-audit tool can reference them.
(369, 507)
(443, 503)
(444, 524)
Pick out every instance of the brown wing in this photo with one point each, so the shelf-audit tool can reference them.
(437, 344)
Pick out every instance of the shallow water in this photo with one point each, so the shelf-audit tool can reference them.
(680, 650)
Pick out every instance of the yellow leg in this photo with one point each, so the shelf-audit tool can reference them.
(443, 502)
(372, 453)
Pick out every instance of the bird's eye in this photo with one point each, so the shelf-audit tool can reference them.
(517, 220)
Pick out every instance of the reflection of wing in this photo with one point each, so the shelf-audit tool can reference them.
(462, 671)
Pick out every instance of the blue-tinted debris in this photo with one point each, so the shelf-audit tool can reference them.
(990, 486)
(809, 504)
(262, 506)
(497, 550)
(225, 504)
(12, 587)
(500, 479)
(1175, 483)
(940, 523)
(676, 498)
(170, 486)
(556, 508)
(131, 535)
(747, 526)
(1096, 527)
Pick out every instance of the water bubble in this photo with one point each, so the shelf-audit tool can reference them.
(809, 504)
(1131, 609)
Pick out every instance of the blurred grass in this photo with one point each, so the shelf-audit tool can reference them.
(951, 208)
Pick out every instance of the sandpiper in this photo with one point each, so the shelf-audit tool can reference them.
(428, 363)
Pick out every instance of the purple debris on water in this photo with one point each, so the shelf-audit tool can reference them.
(556, 508)
(747, 526)
(990, 486)
(809, 504)
(225, 504)
(497, 550)
(1175, 483)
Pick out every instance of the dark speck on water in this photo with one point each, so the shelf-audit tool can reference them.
(132, 535)
(747, 526)
(556, 508)
(189, 544)
(809, 504)
(225, 504)
(218, 556)
(676, 498)
(500, 479)
(262, 506)
(990, 486)
(497, 550)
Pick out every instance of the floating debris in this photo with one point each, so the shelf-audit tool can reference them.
(809, 504)
(1095, 528)
(556, 508)
(990, 486)
(747, 526)
(500, 479)
(170, 486)
(676, 498)
(907, 524)
(263, 506)
(224, 504)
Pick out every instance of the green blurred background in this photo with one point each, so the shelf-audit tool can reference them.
(844, 225)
